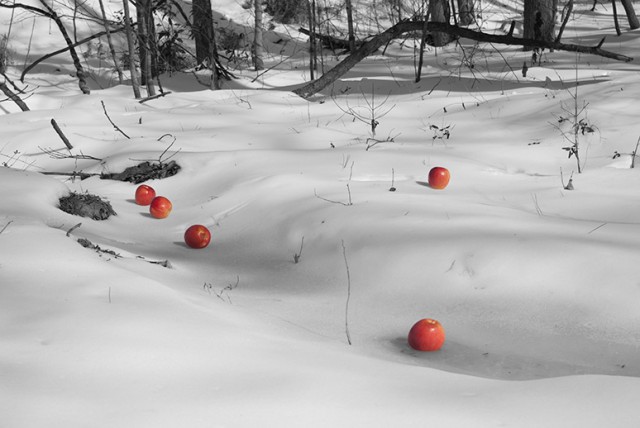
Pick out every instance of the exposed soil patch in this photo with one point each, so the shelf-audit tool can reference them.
(145, 171)
(86, 205)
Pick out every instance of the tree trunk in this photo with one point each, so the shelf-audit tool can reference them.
(112, 50)
(313, 59)
(145, 46)
(82, 79)
(631, 14)
(352, 37)
(135, 83)
(440, 12)
(213, 54)
(539, 20)
(202, 26)
(423, 41)
(258, 41)
(466, 12)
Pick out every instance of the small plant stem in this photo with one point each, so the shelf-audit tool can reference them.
(633, 155)
(346, 308)
(298, 255)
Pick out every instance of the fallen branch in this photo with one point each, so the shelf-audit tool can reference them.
(12, 95)
(64, 138)
(402, 27)
(330, 42)
(59, 51)
(74, 174)
(153, 97)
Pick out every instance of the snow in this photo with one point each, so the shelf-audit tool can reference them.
(536, 286)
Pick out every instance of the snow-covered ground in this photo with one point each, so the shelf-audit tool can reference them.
(538, 287)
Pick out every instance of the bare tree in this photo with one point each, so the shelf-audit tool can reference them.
(313, 58)
(135, 83)
(439, 11)
(51, 14)
(258, 39)
(466, 12)
(112, 50)
(631, 14)
(205, 38)
(539, 20)
(351, 35)
(146, 45)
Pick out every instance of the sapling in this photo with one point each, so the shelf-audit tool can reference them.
(633, 154)
(346, 308)
(370, 115)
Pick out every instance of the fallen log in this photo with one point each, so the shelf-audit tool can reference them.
(406, 26)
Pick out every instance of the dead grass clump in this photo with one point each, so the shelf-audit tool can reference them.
(86, 205)
(145, 171)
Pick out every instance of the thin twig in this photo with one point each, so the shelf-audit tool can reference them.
(634, 154)
(111, 121)
(55, 154)
(167, 149)
(298, 255)
(346, 204)
(5, 226)
(73, 228)
(346, 309)
(593, 230)
(80, 175)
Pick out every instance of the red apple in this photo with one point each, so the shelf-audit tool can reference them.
(160, 207)
(439, 177)
(426, 335)
(145, 194)
(197, 236)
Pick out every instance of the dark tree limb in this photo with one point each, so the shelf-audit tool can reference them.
(12, 95)
(59, 51)
(63, 137)
(402, 27)
(330, 42)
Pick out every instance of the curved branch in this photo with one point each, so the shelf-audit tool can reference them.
(402, 27)
(59, 51)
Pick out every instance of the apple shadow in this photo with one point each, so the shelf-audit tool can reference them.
(132, 201)
(424, 183)
(461, 358)
(180, 244)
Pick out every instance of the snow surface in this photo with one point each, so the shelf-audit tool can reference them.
(536, 286)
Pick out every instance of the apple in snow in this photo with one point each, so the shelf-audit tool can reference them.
(426, 335)
(439, 177)
(160, 207)
(145, 194)
(197, 236)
